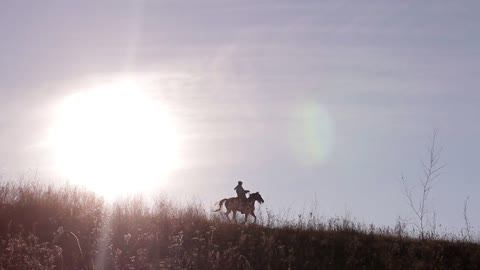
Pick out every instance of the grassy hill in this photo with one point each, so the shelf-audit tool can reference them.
(43, 227)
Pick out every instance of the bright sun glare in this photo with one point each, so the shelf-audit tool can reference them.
(114, 139)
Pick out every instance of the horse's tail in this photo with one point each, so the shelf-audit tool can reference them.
(220, 204)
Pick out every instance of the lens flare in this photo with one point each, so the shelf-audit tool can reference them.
(312, 140)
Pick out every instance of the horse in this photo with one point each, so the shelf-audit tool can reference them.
(234, 204)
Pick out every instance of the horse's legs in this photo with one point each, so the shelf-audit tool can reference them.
(246, 218)
(255, 217)
(227, 213)
(235, 216)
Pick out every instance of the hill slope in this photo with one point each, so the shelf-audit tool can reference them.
(70, 228)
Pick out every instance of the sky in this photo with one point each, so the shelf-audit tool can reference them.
(308, 102)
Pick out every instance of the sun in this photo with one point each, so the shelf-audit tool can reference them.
(114, 138)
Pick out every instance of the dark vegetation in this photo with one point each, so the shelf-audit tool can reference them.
(45, 227)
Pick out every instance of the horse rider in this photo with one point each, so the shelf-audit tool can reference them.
(241, 193)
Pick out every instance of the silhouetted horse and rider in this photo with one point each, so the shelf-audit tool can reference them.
(241, 203)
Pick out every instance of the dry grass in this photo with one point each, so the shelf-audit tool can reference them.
(45, 227)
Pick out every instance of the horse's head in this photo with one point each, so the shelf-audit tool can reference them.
(257, 197)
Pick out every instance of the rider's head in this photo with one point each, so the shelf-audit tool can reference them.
(240, 183)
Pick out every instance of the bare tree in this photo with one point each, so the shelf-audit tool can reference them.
(431, 168)
(468, 227)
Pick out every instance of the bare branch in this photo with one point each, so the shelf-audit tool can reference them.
(465, 218)
(431, 170)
